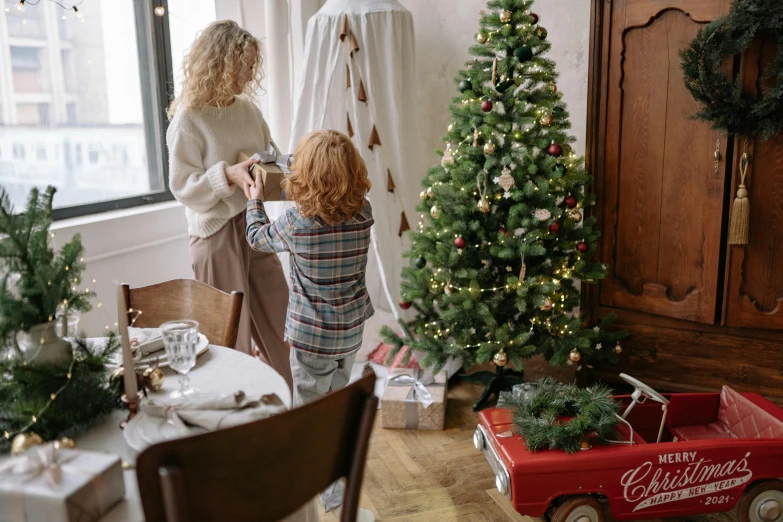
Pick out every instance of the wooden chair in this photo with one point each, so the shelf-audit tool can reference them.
(265, 470)
(217, 312)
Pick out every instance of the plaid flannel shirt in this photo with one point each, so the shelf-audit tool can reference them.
(329, 302)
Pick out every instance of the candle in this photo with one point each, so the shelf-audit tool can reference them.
(129, 367)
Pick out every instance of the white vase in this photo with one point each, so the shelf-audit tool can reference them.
(41, 344)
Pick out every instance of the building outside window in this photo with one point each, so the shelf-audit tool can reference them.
(76, 85)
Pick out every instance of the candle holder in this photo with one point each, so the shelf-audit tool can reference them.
(133, 407)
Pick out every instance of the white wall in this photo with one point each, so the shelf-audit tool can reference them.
(445, 29)
(139, 246)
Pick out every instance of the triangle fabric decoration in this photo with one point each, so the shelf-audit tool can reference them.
(404, 226)
(362, 92)
(350, 128)
(354, 45)
(389, 181)
(347, 76)
(344, 30)
(374, 138)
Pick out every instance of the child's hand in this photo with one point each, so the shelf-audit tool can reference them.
(257, 189)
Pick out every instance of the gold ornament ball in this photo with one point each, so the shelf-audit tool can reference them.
(500, 359)
(546, 120)
(618, 349)
(65, 443)
(483, 205)
(153, 379)
(489, 148)
(25, 441)
(575, 215)
(498, 196)
(574, 355)
(552, 88)
(429, 191)
(435, 211)
(505, 17)
(451, 127)
(423, 194)
(481, 38)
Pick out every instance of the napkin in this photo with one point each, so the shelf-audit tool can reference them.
(145, 340)
(213, 412)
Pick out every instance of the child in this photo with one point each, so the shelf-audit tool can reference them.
(328, 237)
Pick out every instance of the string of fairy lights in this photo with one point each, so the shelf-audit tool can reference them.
(22, 5)
(134, 315)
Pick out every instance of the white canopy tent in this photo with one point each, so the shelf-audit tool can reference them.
(359, 78)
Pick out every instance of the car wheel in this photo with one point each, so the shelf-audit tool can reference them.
(579, 509)
(763, 502)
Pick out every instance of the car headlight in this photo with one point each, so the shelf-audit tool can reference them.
(478, 440)
(501, 483)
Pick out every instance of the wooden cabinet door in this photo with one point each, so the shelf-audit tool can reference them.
(754, 290)
(660, 194)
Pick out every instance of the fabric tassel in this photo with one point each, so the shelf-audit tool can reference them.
(404, 226)
(389, 181)
(374, 138)
(347, 76)
(362, 96)
(740, 212)
(350, 127)
(344, 29)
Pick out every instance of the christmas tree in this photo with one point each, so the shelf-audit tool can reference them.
(36, 281)
(505, 235)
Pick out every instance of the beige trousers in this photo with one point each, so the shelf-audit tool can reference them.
(225, 260)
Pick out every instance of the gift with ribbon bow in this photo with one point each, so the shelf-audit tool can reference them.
(59, 485)
(414, 399)
(271, 169)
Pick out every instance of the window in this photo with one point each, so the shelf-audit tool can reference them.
(77, 86)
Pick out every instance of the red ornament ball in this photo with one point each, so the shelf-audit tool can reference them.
(459, 242)
(582, 247)
(554, 228)
(486, 106)
(534, 16)
(405, 304)
(503, 231)
(570, 202)
(555, 150)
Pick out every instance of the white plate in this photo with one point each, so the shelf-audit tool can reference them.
(144, 430)
(163, 361)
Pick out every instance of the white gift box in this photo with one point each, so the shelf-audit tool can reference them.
(91, 484)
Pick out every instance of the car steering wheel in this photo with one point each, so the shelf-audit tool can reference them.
(641, 389)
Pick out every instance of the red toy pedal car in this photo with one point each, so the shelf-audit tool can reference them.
(677, 455)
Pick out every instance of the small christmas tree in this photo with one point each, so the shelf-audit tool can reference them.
(492, 270)
(35, 280)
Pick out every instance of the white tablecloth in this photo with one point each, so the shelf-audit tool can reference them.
(220, 370)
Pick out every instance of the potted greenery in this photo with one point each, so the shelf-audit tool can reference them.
(36, 280)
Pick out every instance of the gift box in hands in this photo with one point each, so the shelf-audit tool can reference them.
(271, 169)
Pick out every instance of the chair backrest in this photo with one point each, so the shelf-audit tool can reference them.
(217, 312)
(265, 470)
(749, 415)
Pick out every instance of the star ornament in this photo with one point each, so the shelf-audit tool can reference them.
(507, 194)
(496, 180)
(459, 251)
(597, 329)
(598, 346)
(473, 331)
(509, 269)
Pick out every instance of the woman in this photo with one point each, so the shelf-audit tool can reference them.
(212, 119)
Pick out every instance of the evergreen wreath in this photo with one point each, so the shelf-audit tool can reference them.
(559, 416)
(724, 104)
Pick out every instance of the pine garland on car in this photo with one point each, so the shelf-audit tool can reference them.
(560, 416)
(724, 103)
(58, 400)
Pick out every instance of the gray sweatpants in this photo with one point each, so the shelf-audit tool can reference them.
(314, 377)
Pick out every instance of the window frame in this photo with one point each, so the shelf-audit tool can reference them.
(157, 89)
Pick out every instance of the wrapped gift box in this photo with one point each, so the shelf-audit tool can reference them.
(90, 485)
(405, 402)
(272, 170)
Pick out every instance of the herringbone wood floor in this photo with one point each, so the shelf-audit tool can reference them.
(437, 476)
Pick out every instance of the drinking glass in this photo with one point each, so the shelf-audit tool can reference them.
(181, 339)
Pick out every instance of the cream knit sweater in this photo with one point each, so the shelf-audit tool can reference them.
(202, 143)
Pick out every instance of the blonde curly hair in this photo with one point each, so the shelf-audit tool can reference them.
(328, 178)
(223, 62)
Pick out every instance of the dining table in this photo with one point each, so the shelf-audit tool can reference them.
(219, 370)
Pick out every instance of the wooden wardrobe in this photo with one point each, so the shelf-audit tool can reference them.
(701, 313)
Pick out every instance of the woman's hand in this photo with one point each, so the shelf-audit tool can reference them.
(257, 189)
(238, 175)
